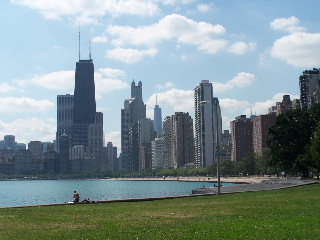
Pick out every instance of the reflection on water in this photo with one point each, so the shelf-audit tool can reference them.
(33, 192)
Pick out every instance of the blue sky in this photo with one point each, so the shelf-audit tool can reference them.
(252, 51)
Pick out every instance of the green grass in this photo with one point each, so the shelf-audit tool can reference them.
(279, 214)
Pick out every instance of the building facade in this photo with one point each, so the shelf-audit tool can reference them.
(134, 110)
(157, 116)
(64, 116)
(84, 108)
(182, 139)
(309, 87)
(204, 123)
(242, 137)
(261, 125)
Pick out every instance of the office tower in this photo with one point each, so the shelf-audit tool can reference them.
(96, 137)
(65, 142)
(158, 147)
(204, 119)
(23, 160)
(261, 125)
(64, 117)
(167, 134)
(146, 135)
(309, 87)
(242, 137)
(182, 139)
(157, 116)
(36, 148)
(84, 108)
(134, 110)
(9, 141)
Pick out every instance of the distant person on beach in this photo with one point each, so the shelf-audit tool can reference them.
(76, 197)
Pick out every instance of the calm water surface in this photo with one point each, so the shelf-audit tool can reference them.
(33, 192)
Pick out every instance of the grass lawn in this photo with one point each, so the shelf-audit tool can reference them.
(278, 214)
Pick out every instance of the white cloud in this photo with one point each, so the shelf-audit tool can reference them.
(55, 80)
(100, 39)
(204, 8)
(129, 55)
(290, 24)
(171, 27)
(241, 47)
(242, 80)
(6, 87)
(112, 72)
(24, 104)
(105, 85)
(233, 106)
(298, 49)
(30, 129)
(172, 2)
(166, 85)
(89, 11)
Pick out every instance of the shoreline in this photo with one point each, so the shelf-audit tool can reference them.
(200, 179)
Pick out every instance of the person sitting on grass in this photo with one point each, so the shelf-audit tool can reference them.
(76, 197)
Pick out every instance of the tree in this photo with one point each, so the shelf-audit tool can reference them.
(288, 139)
(250, 164)
(314, 150)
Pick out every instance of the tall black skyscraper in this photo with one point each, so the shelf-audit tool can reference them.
(84, 110)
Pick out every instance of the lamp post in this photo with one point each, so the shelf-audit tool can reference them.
(217, 147)
(217, 142)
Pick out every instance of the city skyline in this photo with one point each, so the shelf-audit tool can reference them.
(252, 52)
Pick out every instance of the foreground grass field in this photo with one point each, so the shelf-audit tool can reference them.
(279, 214)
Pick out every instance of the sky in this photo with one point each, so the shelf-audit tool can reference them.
(252, 52)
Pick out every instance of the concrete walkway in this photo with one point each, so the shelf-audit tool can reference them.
(253, 187)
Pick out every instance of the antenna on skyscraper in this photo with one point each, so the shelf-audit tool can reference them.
(79, 42)
(156, 99)
(89, 49)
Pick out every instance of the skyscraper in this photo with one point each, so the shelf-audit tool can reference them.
(84, 110)
(182, 139)
(64, 117)
(134, 110)
(157, 116)
(204, 119)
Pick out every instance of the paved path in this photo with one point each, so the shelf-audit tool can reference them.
(263, 185)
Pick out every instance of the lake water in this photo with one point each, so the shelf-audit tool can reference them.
(33, 192)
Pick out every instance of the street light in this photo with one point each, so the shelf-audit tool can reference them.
(217, 141)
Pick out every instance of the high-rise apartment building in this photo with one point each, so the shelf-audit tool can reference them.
(261, 125)
(84, 108)
(204, 124)
(134, 110)
(309, 88)
(242, 137)
(167, 134)
(64, 117)
(182, 139)
(158, 146)
(157, 114)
